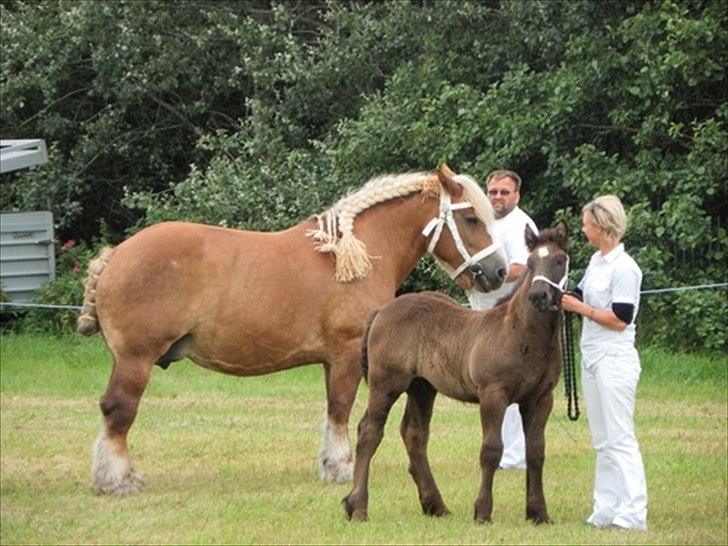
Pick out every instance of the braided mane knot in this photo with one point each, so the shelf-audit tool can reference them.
(335, 231)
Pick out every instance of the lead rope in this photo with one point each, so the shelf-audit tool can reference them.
(567, 344)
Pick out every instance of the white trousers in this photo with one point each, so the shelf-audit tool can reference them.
(514, 441)
(620, 489)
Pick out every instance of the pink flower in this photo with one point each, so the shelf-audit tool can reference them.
(68, 245)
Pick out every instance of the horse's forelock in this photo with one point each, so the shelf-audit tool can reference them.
(554, 236)
(473, 193)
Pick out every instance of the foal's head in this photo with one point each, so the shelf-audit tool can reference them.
(467, 252)
(549, 266)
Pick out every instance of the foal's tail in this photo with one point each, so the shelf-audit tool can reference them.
(88, 322)
(365, 344)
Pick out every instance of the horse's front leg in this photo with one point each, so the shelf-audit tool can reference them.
(415, 431)
(534, 424)
(493, 405)
(343, 374)
(369, 436)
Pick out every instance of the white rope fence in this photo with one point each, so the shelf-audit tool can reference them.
(78, 307)
(683, 288)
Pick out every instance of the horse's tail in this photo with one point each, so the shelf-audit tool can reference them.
(365, 344)
(88, 322)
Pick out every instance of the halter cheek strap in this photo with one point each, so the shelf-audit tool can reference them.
(446, 217)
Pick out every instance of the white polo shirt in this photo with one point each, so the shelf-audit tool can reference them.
(612, 278)
(509, 231)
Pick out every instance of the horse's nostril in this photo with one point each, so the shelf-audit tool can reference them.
(502, 273)
(476, 269)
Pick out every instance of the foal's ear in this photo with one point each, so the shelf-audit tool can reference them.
(531, 238)
(562, 231)
(447, 179)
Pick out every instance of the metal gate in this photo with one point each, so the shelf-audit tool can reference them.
(27, 253)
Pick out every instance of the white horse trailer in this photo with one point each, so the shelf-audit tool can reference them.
(27, 252)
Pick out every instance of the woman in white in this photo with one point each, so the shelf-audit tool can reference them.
(608, 298)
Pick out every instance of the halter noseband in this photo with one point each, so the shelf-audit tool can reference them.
(446, 217)
(561, 285)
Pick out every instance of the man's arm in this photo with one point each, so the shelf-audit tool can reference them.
(514, 271)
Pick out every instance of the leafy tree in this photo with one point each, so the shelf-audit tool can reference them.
(257, 114)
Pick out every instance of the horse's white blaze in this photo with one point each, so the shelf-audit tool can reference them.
(335, 462)
(543, 252)
(111, 471)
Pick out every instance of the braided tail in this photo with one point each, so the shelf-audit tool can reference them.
(87, 323)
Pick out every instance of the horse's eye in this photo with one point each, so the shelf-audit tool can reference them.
(472, 220)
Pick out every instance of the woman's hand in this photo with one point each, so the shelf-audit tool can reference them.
(572, 303)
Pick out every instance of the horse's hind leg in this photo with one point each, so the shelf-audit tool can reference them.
(415, 431)
(111, 470)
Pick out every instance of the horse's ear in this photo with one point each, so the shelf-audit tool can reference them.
(447, 179)
(531, 238)
(562, 232)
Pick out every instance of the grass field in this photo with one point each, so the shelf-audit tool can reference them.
(231, 461)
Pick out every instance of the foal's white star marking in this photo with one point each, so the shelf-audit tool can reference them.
(543, 252)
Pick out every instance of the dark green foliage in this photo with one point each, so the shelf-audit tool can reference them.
(257, 114)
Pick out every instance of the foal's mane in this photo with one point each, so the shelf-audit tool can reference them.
(335, 231)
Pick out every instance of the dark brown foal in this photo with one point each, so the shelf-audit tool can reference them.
(427, 343)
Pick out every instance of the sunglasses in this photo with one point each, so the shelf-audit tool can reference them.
(504, 193)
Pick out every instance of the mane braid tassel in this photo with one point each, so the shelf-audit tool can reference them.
(352, 260)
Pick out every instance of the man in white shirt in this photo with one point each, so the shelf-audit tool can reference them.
(504, 192)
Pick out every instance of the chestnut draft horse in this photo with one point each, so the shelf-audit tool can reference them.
(247, 303)
(426, 343)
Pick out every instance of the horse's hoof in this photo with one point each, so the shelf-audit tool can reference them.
(435, 509)
(481, 519)
(131, 483)
(341, 471)
(539, 519)
(354, 513)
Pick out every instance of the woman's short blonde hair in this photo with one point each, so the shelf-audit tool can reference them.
(607, 213)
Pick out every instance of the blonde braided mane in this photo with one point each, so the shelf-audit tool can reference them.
(335, 230)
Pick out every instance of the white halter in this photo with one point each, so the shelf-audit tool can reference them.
(561, 286)
(445, 217)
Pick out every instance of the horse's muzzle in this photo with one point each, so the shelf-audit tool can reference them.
(487, 275)
(545, 299)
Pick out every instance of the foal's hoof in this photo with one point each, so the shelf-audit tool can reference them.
(481, 519)
(354, 513)
(538, 519)
(435, 509)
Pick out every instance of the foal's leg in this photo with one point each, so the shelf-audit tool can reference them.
(342, 379)
(493, 404)
(111, 470)
(534, 424)
(370, 433)
(415, 431)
